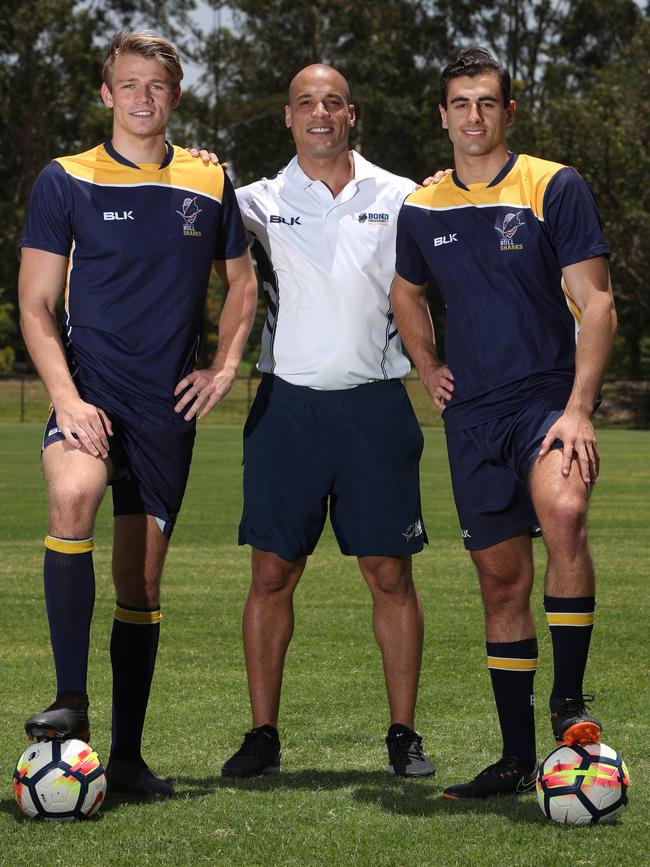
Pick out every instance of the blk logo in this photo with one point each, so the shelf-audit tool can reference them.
(118, 215)
(288, 221)
(445, 239)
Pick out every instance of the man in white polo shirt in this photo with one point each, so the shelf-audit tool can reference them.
(331, 423)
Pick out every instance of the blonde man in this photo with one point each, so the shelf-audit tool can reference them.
(129, 229)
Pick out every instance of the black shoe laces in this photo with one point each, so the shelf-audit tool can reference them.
(404, 745)
(255, 743)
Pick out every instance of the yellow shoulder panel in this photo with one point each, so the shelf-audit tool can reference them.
(189, 173)
(535, 175)
(184, 172)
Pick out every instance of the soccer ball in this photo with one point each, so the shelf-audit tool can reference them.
(59, 780)
(583, 785)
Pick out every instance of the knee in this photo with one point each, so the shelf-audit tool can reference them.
(501, 590)
(72, 507)
(388, 577)
(272, 578)
(566, 521)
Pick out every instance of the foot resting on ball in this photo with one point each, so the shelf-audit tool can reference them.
(135, 777)
(66, 719)
(572, 723)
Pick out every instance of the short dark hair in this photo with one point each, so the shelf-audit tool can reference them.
(473, 61)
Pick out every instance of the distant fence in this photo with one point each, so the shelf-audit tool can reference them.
(625, 403)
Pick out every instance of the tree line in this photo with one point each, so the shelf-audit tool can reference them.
(581, 76)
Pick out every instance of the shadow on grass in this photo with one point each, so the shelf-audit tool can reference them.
(397, 795)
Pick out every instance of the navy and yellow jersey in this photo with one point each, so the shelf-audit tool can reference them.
(496, 252)
(140, 241)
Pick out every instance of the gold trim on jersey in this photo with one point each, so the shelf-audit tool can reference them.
(69, 546)
(184, 173)
(506, 663)
(523, 187)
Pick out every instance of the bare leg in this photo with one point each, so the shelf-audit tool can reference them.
(505, 573)
(267, 629)
(561, 506)
(398, 625)
(76, 482)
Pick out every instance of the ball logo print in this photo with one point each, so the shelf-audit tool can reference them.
(583, 785)
(57, 780)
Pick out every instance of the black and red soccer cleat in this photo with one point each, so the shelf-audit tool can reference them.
(572, 723)
(505, 777)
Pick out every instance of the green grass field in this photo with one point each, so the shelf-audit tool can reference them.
(333, 804)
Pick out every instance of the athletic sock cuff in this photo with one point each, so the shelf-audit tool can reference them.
(137, 616)
(570, 610)
(69, 546)
(512, 655)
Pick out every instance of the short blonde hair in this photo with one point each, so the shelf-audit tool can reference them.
(146, 43)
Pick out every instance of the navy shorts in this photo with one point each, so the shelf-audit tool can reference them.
(490, 465)
(357, 450)
(151, 460)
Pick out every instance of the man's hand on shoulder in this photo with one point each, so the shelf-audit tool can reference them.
(206, 157)
(203, 390)
(84, 426)
(434, 179)
(575, 430)
(439, 382)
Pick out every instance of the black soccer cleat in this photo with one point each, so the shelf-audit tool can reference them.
(505, 777)
(66, 719)
(406, 757)
(135, 777)
(571, 722)
(259, 754)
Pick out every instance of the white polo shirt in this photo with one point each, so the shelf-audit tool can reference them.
(327, 265)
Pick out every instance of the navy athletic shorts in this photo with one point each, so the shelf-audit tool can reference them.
(356, 450)
(490, 465)
(151, 460)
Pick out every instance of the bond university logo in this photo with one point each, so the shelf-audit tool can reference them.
(510, 223)
(379, 218)
(189, 213)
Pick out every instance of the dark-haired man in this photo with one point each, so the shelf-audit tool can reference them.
(129, 230)
(515, 246)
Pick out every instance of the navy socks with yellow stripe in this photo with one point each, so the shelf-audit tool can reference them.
(512, 667)
(69, 580)
(571, 622)
(134, 644)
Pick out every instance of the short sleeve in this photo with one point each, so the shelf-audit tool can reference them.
(48, 225)
(232, 239)
(572, 220)
(409, 261)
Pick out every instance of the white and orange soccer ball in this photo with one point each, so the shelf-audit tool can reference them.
(583, 785)
(59, 780)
